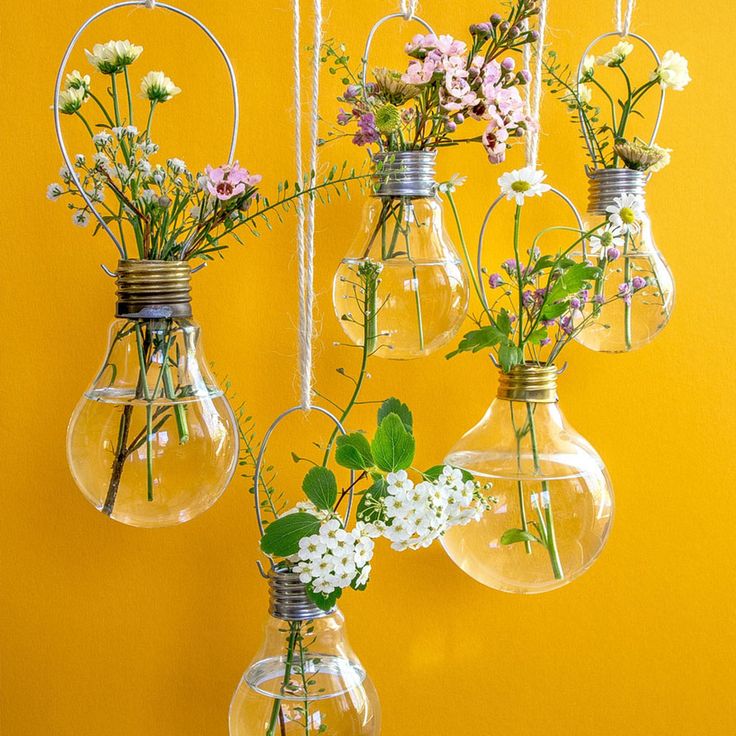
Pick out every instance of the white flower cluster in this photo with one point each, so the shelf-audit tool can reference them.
(421, 513)
(336, 558)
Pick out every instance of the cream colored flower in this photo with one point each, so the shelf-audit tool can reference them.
(672, 73)
(616, 55)
(639, 156)
(588, 66)
(111, 57)
(583, 98)
(392, 89)
(157, 87)
(70, 100)
(77, 80)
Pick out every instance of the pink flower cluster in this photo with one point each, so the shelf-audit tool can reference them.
(228, 181)
(471, 88)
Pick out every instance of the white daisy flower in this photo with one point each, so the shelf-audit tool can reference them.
(522, 183)
(626, 213)
(605, 238)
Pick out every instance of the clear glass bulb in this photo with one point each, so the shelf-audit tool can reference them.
(420, 297)
(628, 323)
(153, 441)
(553, 500)
(305, 681)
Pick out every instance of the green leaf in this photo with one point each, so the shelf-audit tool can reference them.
(321, 487)
(436, 470)
(503, 322)
(368, 509)
(510, 355)
(571, 280)
(282, 536)
(393, 447)
(475, 340)
(537, 336)
(322, 601)
(354, 452)
(395, 406)
(512, 536)
(551, 311)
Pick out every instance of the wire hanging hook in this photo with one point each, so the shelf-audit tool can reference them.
(150, 4)
(484, 226)
(262, 454)
(660, 109)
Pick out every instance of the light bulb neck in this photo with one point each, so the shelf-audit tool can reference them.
(529, 383)
(605, 185)
(288, 599)
(153, 289)
(405, 174)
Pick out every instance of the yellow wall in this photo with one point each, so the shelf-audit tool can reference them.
(112, 631)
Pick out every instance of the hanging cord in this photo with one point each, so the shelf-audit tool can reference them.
(623, 22)
(408, 8)
(534, 88)
(306, 221)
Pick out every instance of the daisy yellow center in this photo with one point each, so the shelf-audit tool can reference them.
(627, 215)
(521, 186)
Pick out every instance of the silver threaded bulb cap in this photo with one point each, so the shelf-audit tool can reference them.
(604, 185)
(405, 174)
(288, 598)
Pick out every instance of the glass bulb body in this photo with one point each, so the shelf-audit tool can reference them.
(553, 500)
(419, 297)
(628, 323)
(306, 680)
(153, 441)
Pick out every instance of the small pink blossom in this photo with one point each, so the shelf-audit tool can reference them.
(229, 180)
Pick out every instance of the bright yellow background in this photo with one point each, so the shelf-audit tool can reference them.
(108, 630)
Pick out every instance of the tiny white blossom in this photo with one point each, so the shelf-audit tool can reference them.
(176, 165)
(101, 139)
(80, 218)
(54, 191)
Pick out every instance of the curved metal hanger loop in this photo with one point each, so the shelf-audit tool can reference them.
(484, 226)
(262, 454)
(60, 76)
(653, 51)
(372, 33)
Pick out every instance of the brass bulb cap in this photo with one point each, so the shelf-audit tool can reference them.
(529, 383)
(153, 289)
(604, 185)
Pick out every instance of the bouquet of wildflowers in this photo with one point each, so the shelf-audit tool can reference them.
(606, 119)
(160, 211)
(447, 82)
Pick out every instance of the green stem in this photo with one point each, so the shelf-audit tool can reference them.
(546, 501)
(415, 276)
(291, 645)
(150, 120)
(143, 383)
(517, 220)
(102, 107)
(627, 301)
(116, 107)
(86, 124)
(519, 483)
(130, 97)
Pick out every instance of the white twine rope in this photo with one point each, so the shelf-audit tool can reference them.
(623, 22)
(408, 8)
(306, 221)
(534, 89)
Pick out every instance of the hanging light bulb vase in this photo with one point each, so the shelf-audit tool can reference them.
(405, 261)
(306, 679)
(152, 442)
(553, 498)
(642, 275)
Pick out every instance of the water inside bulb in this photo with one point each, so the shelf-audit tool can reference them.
(305, 681)
(153, 442)
(553, 500)
(419, 298)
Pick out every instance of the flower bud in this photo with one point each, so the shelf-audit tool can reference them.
(459, 118)
(533, 36)
(504, 26)
(524, 77)
(613, 253)
(514, 31)
(495, 19)
(450, 126)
